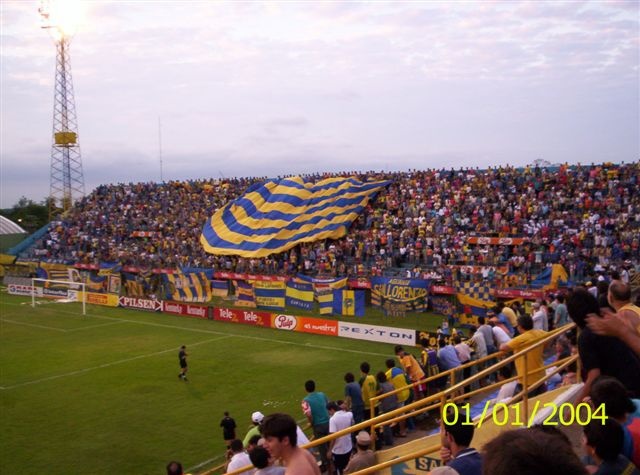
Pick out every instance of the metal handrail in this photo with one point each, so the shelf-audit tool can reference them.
(427, 403)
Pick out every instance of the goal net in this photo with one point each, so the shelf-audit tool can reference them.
(63, 291)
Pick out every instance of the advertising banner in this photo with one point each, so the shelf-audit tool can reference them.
(246, 317)
(19, 289)
(360, 283)
(285, 322)
(108, 300)
(517, 293)
(360, 331)
(443, 289)
(497, 241)
(318, 326)
(140, 304)
(187, 310)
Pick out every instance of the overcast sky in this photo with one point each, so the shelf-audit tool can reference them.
(268, 88)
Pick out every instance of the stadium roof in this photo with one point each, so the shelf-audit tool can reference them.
(9, 227)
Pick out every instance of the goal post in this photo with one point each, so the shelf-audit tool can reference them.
(74, 291)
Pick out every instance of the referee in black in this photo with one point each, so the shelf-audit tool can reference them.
(182, 356)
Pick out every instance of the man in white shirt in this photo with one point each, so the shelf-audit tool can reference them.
(342, 446)
(239, 458)
(539, 317)
(499, 334)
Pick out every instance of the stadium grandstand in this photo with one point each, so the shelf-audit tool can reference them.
(493, 253)
(584, 217)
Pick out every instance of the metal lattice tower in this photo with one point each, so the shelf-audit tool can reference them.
(67, 179)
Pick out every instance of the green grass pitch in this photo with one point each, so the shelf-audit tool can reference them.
(99, 394)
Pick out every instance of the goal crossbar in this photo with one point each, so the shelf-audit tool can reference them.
(72, 285)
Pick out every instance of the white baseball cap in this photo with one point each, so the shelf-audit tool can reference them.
(257, 417)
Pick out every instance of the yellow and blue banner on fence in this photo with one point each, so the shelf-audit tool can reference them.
(245, 296)
(188, 287)
(299, 295)
(219, 288)
(410, 292)
(269, 294)
(348, 302)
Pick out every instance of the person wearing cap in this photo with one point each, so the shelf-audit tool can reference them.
(364, 456)
(256, 419)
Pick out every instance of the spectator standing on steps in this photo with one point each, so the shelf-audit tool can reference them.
(314, 406)
(342, 446)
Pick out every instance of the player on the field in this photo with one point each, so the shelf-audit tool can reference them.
(182, 356)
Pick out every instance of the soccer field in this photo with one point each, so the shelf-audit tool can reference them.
(100, 393)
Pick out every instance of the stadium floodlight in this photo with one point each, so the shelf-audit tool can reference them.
(61, 18)
(73, 292)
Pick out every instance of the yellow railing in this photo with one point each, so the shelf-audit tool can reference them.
(440, 399)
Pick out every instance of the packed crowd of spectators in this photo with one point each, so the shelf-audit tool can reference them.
(584, 217)
(609, 365)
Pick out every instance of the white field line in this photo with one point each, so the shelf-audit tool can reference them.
(45, 327)
(33, 325)
(94, 326)
(212, 332)
(106, 365)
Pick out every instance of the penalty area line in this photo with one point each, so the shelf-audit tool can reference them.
(236, 335)
(44, 327)
(106, 365)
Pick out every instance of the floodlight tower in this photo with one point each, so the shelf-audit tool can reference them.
(67, 179)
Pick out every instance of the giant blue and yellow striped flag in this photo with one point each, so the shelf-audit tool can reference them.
(274, 216)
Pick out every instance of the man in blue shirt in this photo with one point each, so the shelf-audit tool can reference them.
(456, 433)
(353, 397)
(447, 356)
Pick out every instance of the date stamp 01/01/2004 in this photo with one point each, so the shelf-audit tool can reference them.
(502, 415)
